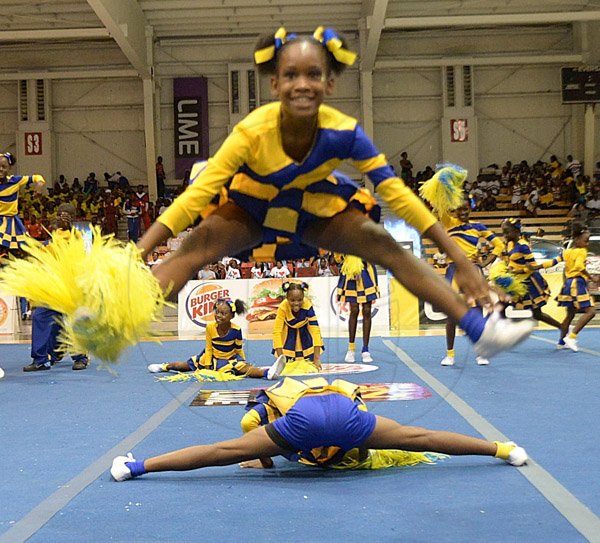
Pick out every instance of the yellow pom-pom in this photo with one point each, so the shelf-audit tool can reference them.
(387, 458)
(352, 266)
(299, 367)
(444, 190)
(107, 295)
(202, 376)
(508, 282)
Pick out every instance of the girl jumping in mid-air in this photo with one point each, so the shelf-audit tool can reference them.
(574, 295)
(280, 161)
(296, 333)
(224, 351)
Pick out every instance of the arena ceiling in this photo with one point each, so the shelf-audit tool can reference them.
(67, 38)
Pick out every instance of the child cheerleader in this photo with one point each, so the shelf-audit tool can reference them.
(12, 229)
(224, 351)
(280, 159)
(296, 333)
(574, 295)
(520, 260)
(358, 287)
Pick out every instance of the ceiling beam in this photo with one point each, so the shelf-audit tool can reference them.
(126, 23)
(479, 61)
(519, 19)
(69, 74)
(375, 23)
(56, 34)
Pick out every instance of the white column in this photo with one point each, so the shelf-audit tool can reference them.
(590, 134)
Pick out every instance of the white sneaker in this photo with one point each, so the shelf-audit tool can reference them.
(1, 373)
(350, 358)
(119, 470)
(366, 357)
(275, 370)
(501, 334)
(518, 456)
(447, 361)
(482, 361)
(571, 343)
(156, 368)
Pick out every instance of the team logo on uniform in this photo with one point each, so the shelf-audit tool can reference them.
(372, 392)
(200, 302)
(3, 312)
(342, 309)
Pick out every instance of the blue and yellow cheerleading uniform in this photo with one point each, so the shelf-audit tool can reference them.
(297, 336)
(518, 258)
(467, 235)
(574, 293)
(222, 353)
(285, 196)
(12, 229)
(361, 288)
(315, 421)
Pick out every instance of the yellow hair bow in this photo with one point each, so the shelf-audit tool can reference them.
(267, 53)
(330, 39)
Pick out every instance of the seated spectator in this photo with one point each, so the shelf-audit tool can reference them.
(35, 229)
(532, 202)
(488, 203)
(259, 271)
(233, 270)
(324, 270)
(280, 271)
(154, 259)
(206, 274)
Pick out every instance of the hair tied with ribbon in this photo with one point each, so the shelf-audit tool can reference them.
(333, 43)
(286, 286)
(267, 54)
(10, 158)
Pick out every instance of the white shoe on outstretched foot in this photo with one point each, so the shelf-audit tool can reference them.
(119, 470)
(1, 373)
(482, 361)
(275, 370)
(447, 361)
(518, 456)
(501, 334)
(157, 368)
(571, 343)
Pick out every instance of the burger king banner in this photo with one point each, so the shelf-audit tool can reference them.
(263, 296)
(8, 315)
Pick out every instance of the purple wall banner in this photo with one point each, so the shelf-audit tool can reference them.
(190, 109)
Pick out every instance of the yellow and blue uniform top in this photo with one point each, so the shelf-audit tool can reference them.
(467, 236)
(575, 262)
(277, 400)
(9, 192)
(574, 293)
(282, 193)
(519, 259)
(222, 353)
(297, 335)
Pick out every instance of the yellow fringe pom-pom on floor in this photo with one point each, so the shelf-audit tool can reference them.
(387, 458)
(444, 190)
(510, 283)
(352, 266)
(299, 367)
(202, 376)
(107, 295)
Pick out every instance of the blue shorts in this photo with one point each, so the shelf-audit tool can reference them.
(322, 421)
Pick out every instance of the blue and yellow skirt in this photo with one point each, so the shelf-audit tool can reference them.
(285, 212)
(575, 294)
(359, 289)
(537, 295)
(12, 231)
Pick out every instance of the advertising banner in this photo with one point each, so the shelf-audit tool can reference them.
(8, 315)
(190, 128)
(263, 296)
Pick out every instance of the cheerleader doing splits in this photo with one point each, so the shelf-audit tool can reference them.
(280, 159)
(224, 350)
(327, 420)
